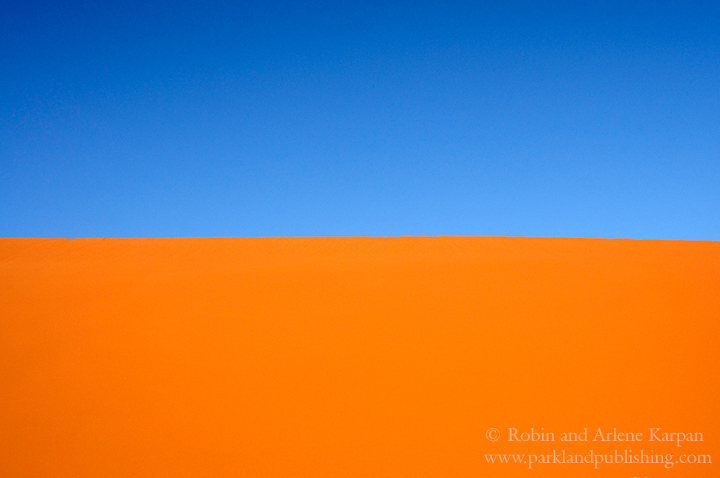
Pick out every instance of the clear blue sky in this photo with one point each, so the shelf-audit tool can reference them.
(166, 119)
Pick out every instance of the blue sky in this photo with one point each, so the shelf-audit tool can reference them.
(168, 119)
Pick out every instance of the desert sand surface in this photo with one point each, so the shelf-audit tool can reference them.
(351, 357)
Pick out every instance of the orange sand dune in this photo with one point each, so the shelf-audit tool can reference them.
(353, 357)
